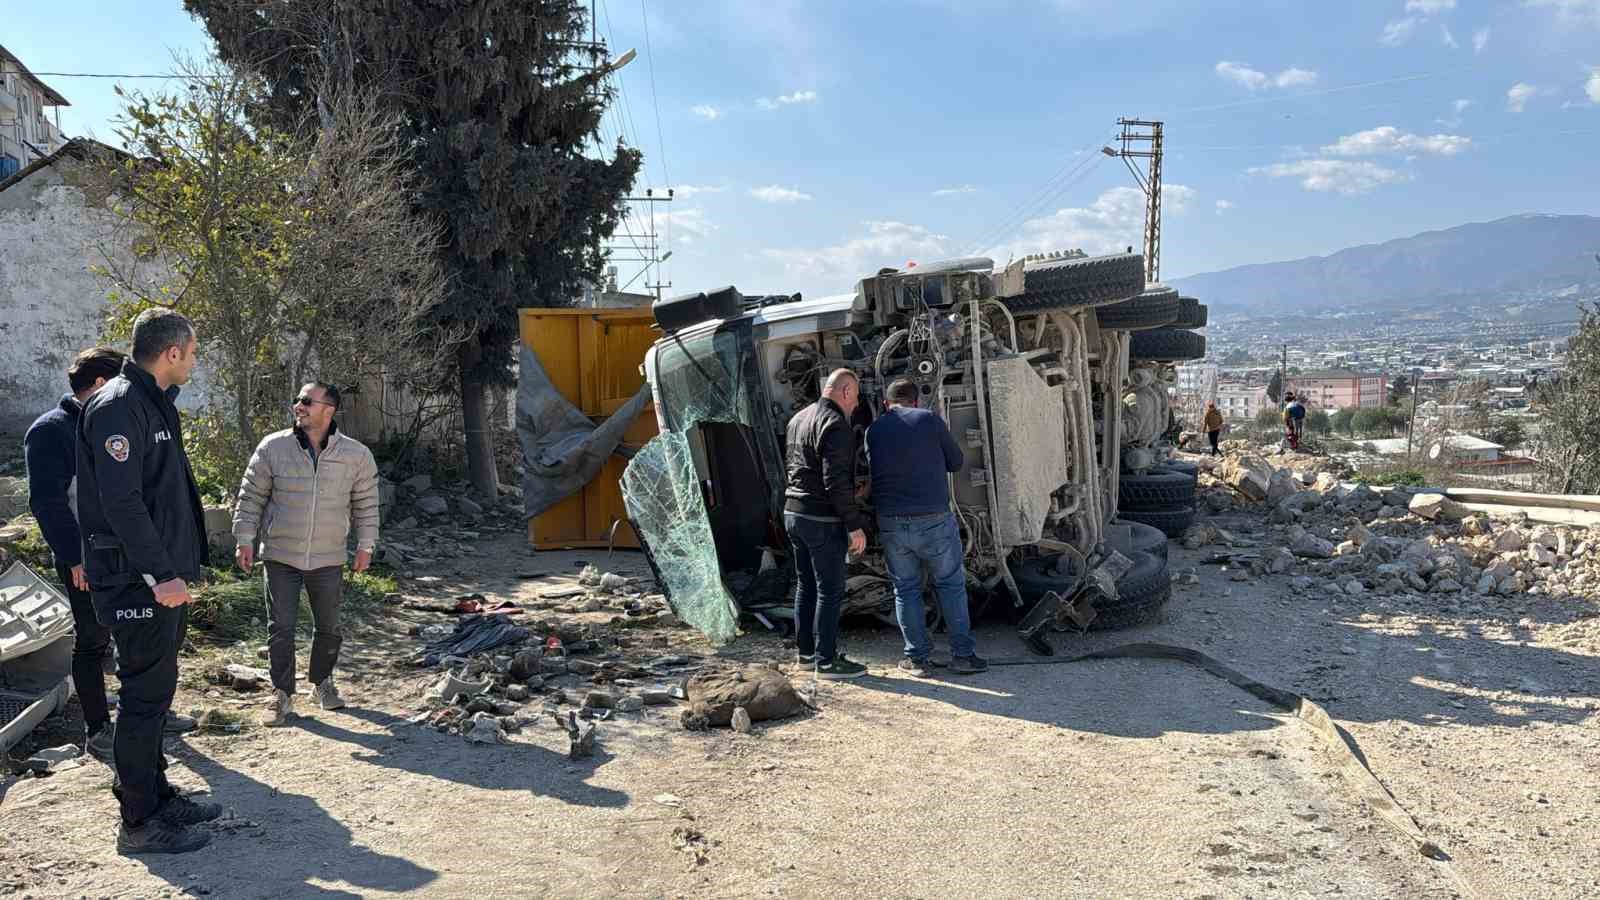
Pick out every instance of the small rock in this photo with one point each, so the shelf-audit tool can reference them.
(468, 506)
(599, 700)
(741, 720)
(1239, 575)
(1447, 586)
(1279, 561)
(1509, 540)
(518, 692)
(553, 665)
(419, 483)
(485, 729)
(656, 697)
(1301, 582)
(1311, 547)
(630, 704)
(1541, 555)
(1437, 507)
(433, 506)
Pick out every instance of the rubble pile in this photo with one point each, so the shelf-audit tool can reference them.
(1352, 539)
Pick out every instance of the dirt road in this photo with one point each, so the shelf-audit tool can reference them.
(1101, 779)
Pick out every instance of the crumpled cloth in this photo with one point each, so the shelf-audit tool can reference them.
(474, 634)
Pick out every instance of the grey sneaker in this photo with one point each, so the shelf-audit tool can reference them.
(100, 744)
(920, 668)
(326, 694)
(178, 723)
(282, 709)
(840, 668)
(968, 665)
(182, 812)
(158, 836)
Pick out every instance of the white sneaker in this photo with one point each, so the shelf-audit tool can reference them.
(327, 695)
(282, 709)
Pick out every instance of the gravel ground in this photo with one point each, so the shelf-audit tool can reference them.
(1106, 779)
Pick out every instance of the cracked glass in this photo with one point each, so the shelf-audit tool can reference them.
(695, 381)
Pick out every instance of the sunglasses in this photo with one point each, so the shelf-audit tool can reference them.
(303, 400)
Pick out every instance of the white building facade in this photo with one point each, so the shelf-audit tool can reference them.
(30, 126)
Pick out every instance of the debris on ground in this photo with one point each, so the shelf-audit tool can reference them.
(690, 840)
(580, 738)
(473, 634)
(485, 728)
(54, 759)
(763, 692)
(239, 677)
(741, 720)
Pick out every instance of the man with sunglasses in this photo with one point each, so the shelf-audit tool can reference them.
(303, 490)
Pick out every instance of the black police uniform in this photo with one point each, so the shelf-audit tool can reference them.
(142, 524)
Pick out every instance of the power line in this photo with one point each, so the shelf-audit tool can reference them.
(650, 62)
(104, 75)
(1064, 179)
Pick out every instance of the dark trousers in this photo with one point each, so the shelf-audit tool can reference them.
(325, 587)
(819, 567)
(90, 643)
(1214, 437)
(148, 637)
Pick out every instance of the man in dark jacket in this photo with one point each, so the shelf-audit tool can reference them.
(823, 521)
(910, 451)
(144, 543)
(51, 450)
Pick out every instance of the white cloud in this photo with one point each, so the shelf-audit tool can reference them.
(1293, 77)
(1111, 224)
(685, 191)
(1519, 94)
(1447, 38)
(1399, 31)
(1255, 79)
(706, 111)
(1333, 175)
(1592, 86)
(964, 189)
(773, 193)
(686, 225)
(1223, 206)
(1461, 106)
(1429, 7)
(1387, 139)
(1581, 11)
(1480, 39)
(787, 99)
(840, 265)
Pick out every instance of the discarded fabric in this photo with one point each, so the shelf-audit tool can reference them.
(475, 634)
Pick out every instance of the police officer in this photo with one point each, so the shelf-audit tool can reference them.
(144, 543)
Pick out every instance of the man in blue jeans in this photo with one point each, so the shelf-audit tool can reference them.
(823, 521)
(910, 451)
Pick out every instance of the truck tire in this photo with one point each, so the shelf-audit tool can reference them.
(1071, 283)
(1036, 575)
(1141, 593)
(1155, 306)
(1167, 345)
(1187, 468)
(1147, 539)
(1191, 314)
(1156, 489)
(1171, 521)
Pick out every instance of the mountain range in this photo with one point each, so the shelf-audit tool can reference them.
(1537, 260)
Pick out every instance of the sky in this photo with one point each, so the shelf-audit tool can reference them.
(811, 142)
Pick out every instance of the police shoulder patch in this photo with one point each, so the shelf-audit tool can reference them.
(117, 447)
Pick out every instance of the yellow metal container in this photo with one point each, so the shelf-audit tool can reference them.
(593, 357)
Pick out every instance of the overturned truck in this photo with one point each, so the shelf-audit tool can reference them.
(1052, 372)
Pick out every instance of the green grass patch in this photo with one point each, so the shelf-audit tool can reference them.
(1396, 477)
(233, 606)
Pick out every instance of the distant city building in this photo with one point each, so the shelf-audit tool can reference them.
(1241, 401)
(1194, 377)
(26, 133)
(1339, 388)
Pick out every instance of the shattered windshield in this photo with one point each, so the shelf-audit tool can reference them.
(696, 379)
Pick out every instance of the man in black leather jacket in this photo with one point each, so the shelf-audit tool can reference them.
(823, 521)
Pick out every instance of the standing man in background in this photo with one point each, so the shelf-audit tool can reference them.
(823, 521)
(303, 489)
(1213, 426)
(51, 450)
(144, 539)
(911, 451)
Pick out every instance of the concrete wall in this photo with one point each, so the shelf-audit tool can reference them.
(52, 304)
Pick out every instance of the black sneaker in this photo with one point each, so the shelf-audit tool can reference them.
(99, 745)
(157, 836)
(968, 665)
(921, 668)
(805, 659)
(182, 811)
(840, 668)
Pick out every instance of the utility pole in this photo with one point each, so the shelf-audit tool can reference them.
(1136, 134)
(1283, 376)
(1416, 386)
(649, 252)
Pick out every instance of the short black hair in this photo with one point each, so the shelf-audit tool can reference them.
(905, 392)
(329, 393)
(158, 330)
(92, 365)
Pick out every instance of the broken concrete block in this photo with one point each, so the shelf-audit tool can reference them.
(630, 704)
(1541, 555)
(1311, 547)
(582, 667)
(1279, 561)
(553, 665)
(525, 664)
(1437, 507)
(599, 700)
(518, 693)
(432, 506)
(485, 729)
(450, 686)
(656, 697)
(469, 506)
(1250, 475)
(741, 720)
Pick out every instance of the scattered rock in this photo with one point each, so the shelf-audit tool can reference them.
(419, 483)
(1447, 586)
(450, 686)
(1250, 475)
(1197, 536)
(580, 738)
(630, 704)
(1279, 561)
(469, 506)
(485, 729)
(1309, 546)
(433, 506)
(54, 759)
(518, 693)
(1437, 507)
(741, 720)
(1541, 555)
(239, 677)
(525, 664)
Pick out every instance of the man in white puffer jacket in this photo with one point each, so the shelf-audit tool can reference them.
(304, 489)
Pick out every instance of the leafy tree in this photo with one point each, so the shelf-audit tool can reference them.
(1318, 421)
(285, 248)
(1342, 421)
(1275, 388)
(1236, 357)
(498, 115)
(1506, 431)
(1399, 389)
(1569, 440)
(1269, 419)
